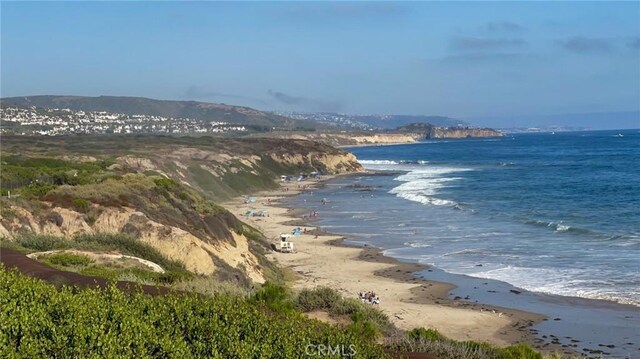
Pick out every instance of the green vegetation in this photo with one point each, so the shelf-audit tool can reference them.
(125, 244)
(81, 204)
(366, 318)
(274, 297)
(122, 243)
(31, 242)
(237, 179)
(67, 259)
(35, 176)
(234, 176)
(430, 341)
(138, 275)
(320, 298)
(39, 321)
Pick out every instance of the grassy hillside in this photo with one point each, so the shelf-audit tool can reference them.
(221, 168)
(177, 109)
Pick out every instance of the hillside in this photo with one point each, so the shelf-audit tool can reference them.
(160, 192)
(174, 109)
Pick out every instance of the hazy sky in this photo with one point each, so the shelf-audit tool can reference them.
(459, 59)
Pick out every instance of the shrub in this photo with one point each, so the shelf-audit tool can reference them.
(424, 334)
(132, 274)
(365, 316)
(55, 217)
(41, 242)
(36, 190)
(364, 328)
(6, 212)
(67, 259)
(90, 219)
(101, 271)
(321, 298)
(522, 351)
(274, 297)
(39, 321)
(422, 340)
(166, 183)
(81, 204)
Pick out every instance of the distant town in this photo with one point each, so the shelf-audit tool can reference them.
(56, 122)
(339, 120)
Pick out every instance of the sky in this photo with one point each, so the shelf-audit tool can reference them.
(490, 61)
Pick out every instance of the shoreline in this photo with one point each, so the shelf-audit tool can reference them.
(408, 300)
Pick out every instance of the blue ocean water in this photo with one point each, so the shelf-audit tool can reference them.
(550, 213)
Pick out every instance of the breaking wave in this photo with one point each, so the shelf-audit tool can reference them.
(422, 185)
(559, 226)
(567, 282)
(392, 162)
(378, 162)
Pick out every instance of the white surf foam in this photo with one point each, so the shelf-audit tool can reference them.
(417, 244)
(378, 162)
(566, 282)
(423, 184)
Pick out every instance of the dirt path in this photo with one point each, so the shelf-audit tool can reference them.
(27, 266)
(99, 256)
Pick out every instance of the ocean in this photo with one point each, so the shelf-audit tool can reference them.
(555, 214)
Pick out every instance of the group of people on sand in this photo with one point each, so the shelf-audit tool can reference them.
(369, 297)
(312, 214)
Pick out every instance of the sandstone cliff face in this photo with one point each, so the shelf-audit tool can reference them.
(227, 173)
(406, 135)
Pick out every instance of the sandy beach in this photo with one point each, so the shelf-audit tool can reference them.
(410, 302)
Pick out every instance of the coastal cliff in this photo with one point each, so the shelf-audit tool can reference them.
(343, 139)
(428, 131)
(462, 132)
(402, 135)
(160, 191)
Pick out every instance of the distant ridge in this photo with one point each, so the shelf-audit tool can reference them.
(366, 121)
(167, 108)
(394, 121)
